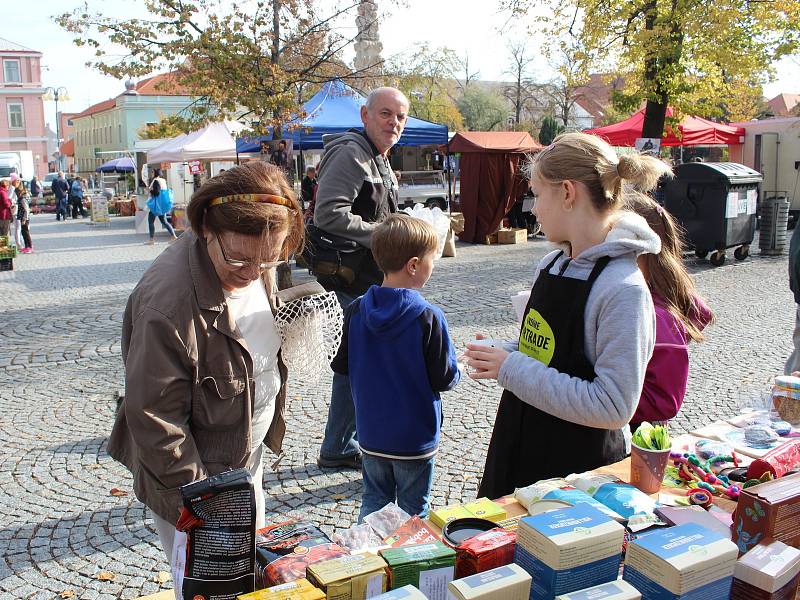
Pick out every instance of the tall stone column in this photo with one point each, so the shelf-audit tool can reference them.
(368, 62)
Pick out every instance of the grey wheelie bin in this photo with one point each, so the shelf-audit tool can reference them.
(716, 203)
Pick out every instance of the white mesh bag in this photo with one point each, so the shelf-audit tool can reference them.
(311, 329)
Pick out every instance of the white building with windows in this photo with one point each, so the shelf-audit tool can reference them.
(22, 125)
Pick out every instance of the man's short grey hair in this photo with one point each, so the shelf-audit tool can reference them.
(377, 91)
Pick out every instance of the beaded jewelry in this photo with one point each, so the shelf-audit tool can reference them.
(699, 475)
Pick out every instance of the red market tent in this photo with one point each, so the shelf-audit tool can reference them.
(491, 180)
(695, 131)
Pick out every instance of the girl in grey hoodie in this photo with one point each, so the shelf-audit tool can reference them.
(573, 380)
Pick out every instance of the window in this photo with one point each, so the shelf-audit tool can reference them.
(11, 71)
(119, 132)
(16, 119)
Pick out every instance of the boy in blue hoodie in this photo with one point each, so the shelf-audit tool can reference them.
(399, 357)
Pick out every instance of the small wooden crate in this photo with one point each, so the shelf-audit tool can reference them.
(512, 236)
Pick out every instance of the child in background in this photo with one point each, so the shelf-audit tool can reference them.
(398, 355)
(681, 316)
(588, 330)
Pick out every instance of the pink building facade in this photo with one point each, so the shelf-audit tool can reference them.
(22, 121)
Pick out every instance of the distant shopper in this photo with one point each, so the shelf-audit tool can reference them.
(5, 207)
(307, 186)
(397, 404)
(24, 217)
(60, 189)
(77, 193)
(15, 192)
(159, 205)
(36, 188)
(280, 158)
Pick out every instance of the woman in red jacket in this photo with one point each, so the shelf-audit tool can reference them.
(5, 207)
(681, 316)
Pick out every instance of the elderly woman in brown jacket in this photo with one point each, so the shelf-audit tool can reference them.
(205, 386)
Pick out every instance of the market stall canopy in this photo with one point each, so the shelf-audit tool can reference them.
(491, 177)
(216, 141)
(493, 141)
(336, 108)
(117, 165)
(695, 131)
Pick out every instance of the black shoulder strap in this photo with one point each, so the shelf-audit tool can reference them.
(601, 264)
(552, 262)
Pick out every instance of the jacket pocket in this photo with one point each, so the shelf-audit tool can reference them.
(220, 403)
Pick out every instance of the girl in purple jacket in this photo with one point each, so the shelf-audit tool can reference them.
(681, 316)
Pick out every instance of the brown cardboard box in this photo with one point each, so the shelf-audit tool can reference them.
(768, 511)
(512, 236)
(354, 577)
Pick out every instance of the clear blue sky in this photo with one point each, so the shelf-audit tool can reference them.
(467, 26)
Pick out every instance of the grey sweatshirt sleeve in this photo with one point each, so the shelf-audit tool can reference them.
(340, 180)
(625, 339)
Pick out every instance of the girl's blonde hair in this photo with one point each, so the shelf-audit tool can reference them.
(593, 162)
(665, 274)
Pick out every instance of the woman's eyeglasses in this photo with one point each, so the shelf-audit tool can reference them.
(241, 264)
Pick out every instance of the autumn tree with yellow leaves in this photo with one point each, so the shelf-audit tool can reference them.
(698, 56)
(250, 60)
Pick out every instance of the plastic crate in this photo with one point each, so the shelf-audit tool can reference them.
(6, 264)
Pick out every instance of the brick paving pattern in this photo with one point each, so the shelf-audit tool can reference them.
(60, 365)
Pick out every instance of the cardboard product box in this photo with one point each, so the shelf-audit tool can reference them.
(429, 567)
(512, 236)
(407, 592)
(485, 551)
(295, 590)
(768, 511)
(509, 582)
(356, 577)
(768, 572)
(685, 562)
(483, 508)
(569, 549)
(443, 516)
(613, 590)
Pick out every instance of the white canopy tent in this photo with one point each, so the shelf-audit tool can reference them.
(216, 141)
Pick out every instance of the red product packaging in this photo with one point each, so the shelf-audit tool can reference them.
(777, 461)
(485, 551)
(284, 550)
(414, 531)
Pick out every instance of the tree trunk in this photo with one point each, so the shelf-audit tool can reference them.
(664, 54)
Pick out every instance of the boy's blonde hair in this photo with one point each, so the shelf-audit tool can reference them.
(592, 161)
(400, 238)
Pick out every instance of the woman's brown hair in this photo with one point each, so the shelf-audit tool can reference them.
(664, 272)
(592, 161)
(248, 218)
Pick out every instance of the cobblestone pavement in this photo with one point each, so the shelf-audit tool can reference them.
(60, 365)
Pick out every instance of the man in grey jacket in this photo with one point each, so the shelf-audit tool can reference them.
(356, 190)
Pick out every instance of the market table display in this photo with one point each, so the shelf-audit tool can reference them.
(725, 523)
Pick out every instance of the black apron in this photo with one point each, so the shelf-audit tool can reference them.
(529, 444)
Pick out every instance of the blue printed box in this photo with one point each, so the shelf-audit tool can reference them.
(569, 549)
(686, 562)
(613, 590)
(509, 582)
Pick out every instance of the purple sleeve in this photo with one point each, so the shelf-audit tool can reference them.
(666, 374)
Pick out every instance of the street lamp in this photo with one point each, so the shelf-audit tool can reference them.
(57, 93)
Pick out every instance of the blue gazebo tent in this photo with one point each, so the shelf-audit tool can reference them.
(336, 108)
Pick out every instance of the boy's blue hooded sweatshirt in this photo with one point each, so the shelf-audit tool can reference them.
(398, 355)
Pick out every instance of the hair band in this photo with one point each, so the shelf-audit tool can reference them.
(263, 198)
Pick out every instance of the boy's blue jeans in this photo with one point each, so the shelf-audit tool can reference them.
(340, 439)
(406, 482)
